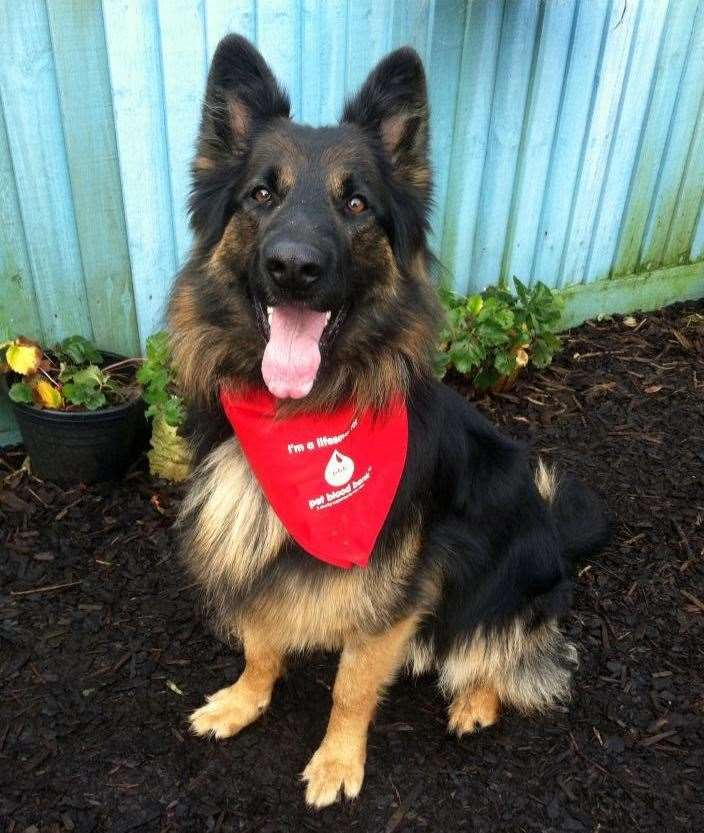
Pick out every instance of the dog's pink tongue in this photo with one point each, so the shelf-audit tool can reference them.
(292, 356)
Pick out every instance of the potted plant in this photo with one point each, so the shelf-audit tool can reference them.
(79, 410)
(492, 336)
(170, 455)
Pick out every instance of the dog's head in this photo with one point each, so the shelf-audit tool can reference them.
(309, 266)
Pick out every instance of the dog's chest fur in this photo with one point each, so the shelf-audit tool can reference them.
(234, 546)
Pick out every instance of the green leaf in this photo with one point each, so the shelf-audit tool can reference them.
(85, 395)
(153, 376)
(159, 348)
(461, 361)
(495, 311)
(21, 392)
(91, 376)
(174, 412)
(505, 362)
(156, 389)
(541, 353)
(95, 399)
(448, 296)
(521, 290)
(441, 363)
(157, 377)
(78, 350)
(456, 318)
(474, 305)
(492, 333)
(486, 378)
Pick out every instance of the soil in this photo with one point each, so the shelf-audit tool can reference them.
(104, 653)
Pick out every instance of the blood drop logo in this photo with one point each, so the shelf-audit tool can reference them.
(339, 469)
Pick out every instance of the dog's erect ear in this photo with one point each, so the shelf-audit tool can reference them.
(393, 104)
(241, 96)
(242, 93)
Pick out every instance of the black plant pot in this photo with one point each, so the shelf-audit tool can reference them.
(82, 446)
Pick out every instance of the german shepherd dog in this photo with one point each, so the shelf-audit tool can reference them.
(474, 563)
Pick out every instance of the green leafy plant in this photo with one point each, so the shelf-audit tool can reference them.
(66, 377)
(170, 454)
(489, 337)
(157, 377)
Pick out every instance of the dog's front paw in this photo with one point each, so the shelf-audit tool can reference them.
(331, 771)
(472, 711)
(226, 713)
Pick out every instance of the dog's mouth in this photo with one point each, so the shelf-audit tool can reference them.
(296, 337)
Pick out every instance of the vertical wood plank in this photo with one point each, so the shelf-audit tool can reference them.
(35, 135)
(369, 27)
(443, 71)
(539, 127)
(516, 51)
(84, 97)
(410, 25)
(602, 121)
(19, 314)
(697, 250)
(684, 119)
(184, 68)
(624, 146)
(684, 218)
(324, 35)
(278, 39)
(655, 133)
(469, 140)
(18, 308)
(225, 16)
(572, 124)
(132, 39)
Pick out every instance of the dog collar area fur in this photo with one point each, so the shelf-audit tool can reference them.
(331, 478)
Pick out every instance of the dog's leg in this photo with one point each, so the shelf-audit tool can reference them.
(367, 666)
(472, 709)
(230, 709)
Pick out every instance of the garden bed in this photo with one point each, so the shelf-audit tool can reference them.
(103, 654)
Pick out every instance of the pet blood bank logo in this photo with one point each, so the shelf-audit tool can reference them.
(339, 469)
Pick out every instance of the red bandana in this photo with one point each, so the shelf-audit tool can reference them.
(331, 478)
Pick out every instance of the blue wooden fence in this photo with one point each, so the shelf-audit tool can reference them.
(568, 143)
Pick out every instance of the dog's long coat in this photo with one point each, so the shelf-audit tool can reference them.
(327, 228)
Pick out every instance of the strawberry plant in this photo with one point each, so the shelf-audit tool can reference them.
(489, 337)
(67, 377)
(169, 456)
(157, 377)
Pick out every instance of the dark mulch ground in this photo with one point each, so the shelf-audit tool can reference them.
(103, 654)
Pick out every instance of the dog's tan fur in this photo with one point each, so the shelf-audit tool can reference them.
(230, 709)
(529, 669)
(236, 533)
(472, 709)
(367, 665)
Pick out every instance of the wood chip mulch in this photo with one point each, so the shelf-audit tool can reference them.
(103, 653)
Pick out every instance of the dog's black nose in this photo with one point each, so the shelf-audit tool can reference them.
(294, 265)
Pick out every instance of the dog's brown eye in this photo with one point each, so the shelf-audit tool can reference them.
(262, 195)
(356, 204)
